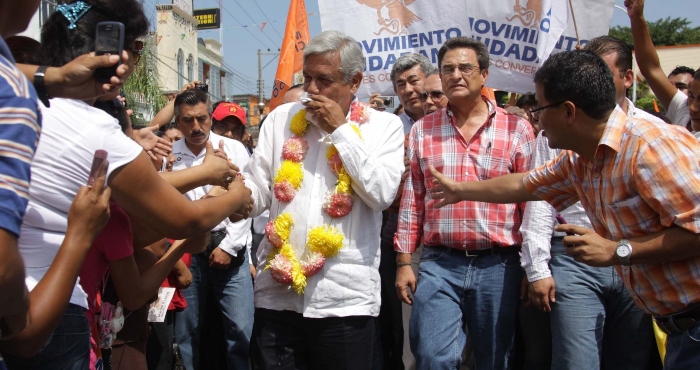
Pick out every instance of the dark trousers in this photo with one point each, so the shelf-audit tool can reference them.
(287, 340)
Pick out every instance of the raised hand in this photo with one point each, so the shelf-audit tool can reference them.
(326, 113)
(220, 171)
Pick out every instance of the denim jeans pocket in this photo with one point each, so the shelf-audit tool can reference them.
(510, 259)
(694, 333)
(432, 254)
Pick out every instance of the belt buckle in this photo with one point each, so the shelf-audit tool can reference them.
(466, 252)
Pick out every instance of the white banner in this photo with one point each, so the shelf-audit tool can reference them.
(515, 31)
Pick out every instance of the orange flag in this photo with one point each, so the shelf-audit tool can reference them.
(656, 107)
(296, 36)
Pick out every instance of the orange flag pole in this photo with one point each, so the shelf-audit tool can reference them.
(296, 36)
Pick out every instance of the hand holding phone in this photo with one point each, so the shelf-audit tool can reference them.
(109, 39)
(98, 160)
(562, 221)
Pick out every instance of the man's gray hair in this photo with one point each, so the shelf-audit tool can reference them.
(408, 61)
(351, 58)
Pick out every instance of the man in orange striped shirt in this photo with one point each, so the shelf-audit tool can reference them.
(638, 182)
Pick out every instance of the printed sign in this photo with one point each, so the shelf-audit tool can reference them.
(208, 18)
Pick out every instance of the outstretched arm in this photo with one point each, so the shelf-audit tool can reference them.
(504, 189)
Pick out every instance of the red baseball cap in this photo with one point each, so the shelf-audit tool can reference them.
(229, 109)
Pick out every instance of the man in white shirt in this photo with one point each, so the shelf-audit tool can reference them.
(577, 295)
(317, 289)
(225, 265)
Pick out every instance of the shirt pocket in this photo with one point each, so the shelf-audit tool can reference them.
(633, 214)
(493, 163)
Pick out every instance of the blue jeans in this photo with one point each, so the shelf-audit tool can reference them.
(68, 348)
(454, 289)
(683, 350)
(233, 289)
(595, 323)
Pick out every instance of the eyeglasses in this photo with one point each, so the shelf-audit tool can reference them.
(435, 95)
(466, 69)
(136, 51)
(536, 111)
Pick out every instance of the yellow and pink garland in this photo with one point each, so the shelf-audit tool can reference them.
(323, 241)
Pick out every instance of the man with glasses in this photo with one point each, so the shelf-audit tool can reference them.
(578, 295)
(470, 268)
(432, 97)
(637, 181)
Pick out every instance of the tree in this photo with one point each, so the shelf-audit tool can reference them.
(664, 32)
(142, 89)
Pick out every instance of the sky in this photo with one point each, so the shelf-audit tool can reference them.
(242, 36)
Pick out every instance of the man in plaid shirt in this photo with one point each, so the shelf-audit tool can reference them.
(470, 269)
(638, 182)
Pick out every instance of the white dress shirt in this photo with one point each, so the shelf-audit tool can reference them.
(348, 284)
(238, 235)
(539, 218)
(407, 122)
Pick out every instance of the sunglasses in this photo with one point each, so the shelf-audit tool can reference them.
(435, 95)
(136, 51)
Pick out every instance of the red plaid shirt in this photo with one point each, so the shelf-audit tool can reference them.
(501, 146)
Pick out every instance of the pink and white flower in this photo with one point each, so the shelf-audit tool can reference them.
(281, 269)
(284, 191)
(338, 204)
(272, 235)
(294, 149)
(313, 264)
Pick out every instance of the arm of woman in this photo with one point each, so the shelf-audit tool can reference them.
(141, 191)
(87, 216)
(135, 289)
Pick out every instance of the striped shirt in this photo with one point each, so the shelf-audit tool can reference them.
(19, 136)
(502, 145)
(644, 177)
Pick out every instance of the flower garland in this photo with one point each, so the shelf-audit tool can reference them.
(323, 241)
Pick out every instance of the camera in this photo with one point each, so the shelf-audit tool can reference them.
(203, 87)
(388, 101)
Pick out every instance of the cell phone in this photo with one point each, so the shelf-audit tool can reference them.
(109, 39)
(388, 101)
(562, 221)
(98, 160)
(202, 87)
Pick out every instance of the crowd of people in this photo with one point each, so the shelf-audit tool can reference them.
(556, 233)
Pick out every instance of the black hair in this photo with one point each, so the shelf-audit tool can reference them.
(169, 126)
(581, 77)
(604, 45)
(215, 105)
(192, 98)
(24, 49)
(525, 100)
(159, 133)
(679, 70)
(60, 45)
(482, 53)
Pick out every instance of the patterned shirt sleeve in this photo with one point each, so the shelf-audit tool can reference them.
(19, 136)
(552, 182)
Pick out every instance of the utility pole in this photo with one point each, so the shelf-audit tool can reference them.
(261, 85)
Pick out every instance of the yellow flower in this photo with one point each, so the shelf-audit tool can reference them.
(291, 172)
(283, 225)
(356, 128)
(326, 240)
(343, 182)
(331, 152)
(299, 123)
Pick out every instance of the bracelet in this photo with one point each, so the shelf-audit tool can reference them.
(402, 264)
(40, 87)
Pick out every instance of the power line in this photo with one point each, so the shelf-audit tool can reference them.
(267, 19)
(246, 28)
(251, 18)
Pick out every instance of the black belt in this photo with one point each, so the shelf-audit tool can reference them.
(679, 322)
(479, 252)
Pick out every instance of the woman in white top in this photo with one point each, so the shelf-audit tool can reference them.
(72, 131)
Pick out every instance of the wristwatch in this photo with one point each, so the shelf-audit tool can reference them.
(624, 252)
(40, 87)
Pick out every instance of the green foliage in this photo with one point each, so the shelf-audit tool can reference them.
(664, 32)
(142, 89)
